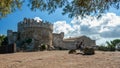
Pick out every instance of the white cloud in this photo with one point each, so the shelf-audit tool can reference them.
(103, 29)
(108, 26)
(108, 23)
(37, 19)
(62, 26)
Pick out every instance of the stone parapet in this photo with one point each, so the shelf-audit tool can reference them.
(33, 23)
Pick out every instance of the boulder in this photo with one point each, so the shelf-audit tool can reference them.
(88, 51)
(72, 52)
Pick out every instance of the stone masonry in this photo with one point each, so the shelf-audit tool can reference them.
(42, 33)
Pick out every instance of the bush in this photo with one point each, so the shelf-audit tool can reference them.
(106, 48)
(29, 40)
(72, 52)
(111, 48)
(43, 47)
(103, 48)
(88, 51)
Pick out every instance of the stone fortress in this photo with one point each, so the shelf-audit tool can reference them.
(40, 32)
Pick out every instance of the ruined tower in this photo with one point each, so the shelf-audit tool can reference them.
(40, 32)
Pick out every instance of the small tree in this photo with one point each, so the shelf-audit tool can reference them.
(5, 41)
(111, 46)
(2, 38)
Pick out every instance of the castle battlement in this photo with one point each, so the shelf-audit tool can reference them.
(41, 32)
(34, 23)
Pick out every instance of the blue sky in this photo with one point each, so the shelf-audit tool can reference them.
(106, 28)
(10, 22)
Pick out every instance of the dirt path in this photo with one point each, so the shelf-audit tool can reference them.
(59, 59)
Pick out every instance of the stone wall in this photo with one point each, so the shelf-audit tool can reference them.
(11, 48)
(70, 43)
(86, 42)
(12, 36)
(31, 23)
(40, 32)
(58, 40)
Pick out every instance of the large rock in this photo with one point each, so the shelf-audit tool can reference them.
(72, 52)
(88, 51)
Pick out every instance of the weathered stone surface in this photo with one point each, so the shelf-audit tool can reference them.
(70, 43)
(41, 33)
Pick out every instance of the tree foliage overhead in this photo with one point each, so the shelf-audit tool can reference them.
(8, 6)
(70, 7)
(88, 7)
(47, 5)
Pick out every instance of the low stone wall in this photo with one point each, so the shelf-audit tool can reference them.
(8, 48)
(69, 45)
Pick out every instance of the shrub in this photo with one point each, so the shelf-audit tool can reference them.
(106, 48)
(88, 51)
(111, 48)
(103, 48)
(43, 47)
(29, 40)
